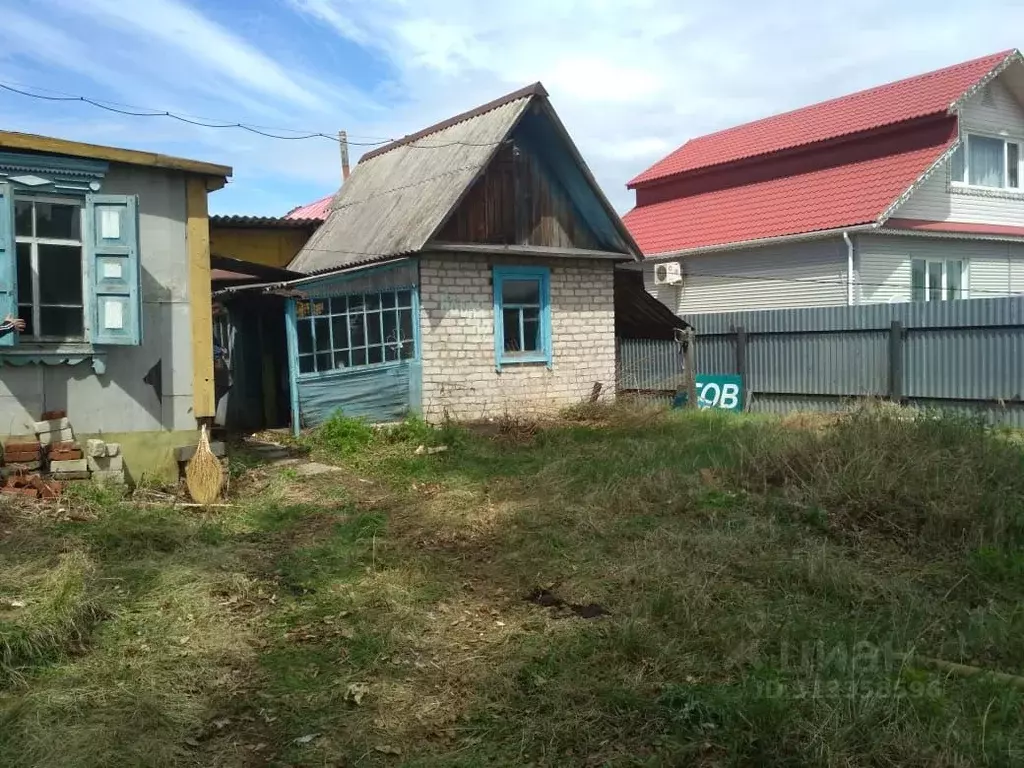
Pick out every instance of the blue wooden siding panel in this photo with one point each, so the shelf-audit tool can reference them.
(378, 393)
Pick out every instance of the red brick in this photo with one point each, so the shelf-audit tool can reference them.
(22, 446)
(19, 457)
(67, 445)
(66, 455)
(53, 415)
(51, 489)
(30, 492)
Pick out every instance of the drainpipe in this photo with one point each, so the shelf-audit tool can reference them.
(849, 267)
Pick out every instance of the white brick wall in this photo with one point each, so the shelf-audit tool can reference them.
(457, 330)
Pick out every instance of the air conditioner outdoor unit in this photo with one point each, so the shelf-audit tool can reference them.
(668, 273)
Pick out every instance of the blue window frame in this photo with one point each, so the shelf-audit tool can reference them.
(522, 315)
(355, 330)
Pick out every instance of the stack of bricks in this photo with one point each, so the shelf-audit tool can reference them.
(105, 461)
(66, 459)
(22, 454)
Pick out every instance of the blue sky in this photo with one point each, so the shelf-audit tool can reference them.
(631, 80)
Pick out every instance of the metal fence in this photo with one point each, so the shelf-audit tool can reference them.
(964, 355)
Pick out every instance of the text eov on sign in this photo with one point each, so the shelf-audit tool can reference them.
(724, 392)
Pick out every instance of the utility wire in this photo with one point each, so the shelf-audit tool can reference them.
(135, 111)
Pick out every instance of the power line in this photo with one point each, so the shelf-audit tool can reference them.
(130, 110)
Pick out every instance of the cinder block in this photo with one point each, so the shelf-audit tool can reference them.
(95, 448)
(113, 449)
(84, 475)
(113, 477)
(186, 452)
(106, 464)
(60, 436)
(52, 425)
(75, 465)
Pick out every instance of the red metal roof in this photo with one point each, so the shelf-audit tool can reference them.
(854, 183)
(316, 210)
(958, 227)
(929, 94)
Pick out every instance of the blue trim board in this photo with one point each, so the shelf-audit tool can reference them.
(293, 364)
(546, 353)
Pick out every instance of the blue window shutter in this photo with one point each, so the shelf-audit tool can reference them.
(8, 263)
(112, 253)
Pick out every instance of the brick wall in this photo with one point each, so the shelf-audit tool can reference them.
(457, 330)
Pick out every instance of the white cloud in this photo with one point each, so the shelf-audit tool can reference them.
(199, 41)
(633, 80)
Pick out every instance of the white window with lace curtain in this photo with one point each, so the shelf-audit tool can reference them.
(987, 161)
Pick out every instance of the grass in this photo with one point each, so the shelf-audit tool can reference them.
(762, 582)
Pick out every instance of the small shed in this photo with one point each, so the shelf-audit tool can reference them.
(464, 272)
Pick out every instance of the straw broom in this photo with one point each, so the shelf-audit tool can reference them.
(204, 475)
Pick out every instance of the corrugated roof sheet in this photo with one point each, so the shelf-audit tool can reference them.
(397, 197)
(316, 211)
(258, 222)
(855, 185)
(932, 93)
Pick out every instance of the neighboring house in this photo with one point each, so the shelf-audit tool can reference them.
(912, 191)
(266, 240)
(464, 271)
(104, 252)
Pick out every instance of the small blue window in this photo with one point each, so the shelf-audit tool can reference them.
(522, 315)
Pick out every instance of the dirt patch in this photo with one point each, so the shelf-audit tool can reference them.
(562, 609)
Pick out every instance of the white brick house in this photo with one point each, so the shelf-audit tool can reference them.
(465, 271)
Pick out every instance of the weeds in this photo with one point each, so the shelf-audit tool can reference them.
(745, 590)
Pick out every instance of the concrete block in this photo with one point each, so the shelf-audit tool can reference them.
(75, 465)
(113, 449)
(59, 436)
(106, 464)
(84, 475)
(53, 425)
(95, 448)
(186, 452)
(112, 477)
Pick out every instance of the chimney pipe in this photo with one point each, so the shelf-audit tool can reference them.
(343, 142)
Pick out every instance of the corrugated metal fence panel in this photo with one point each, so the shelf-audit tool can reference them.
(942, 314)
(854, 363)
(984, 363)
(966, 356)
(648, 364)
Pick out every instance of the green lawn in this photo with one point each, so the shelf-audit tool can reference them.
(759, 585)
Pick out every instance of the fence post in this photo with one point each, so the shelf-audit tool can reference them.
(896, 361)
(741, 350)
(691, 370)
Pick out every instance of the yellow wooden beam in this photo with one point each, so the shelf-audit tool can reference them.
(34, 143)
(198, 232)
(273, 247)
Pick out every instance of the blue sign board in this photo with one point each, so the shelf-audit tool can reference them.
(724, 392)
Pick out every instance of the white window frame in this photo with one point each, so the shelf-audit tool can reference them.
(965, 184)
(964, 279)
(35, 242)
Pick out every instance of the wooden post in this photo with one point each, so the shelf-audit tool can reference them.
(741, 351)
(343, 142)
(896, 361)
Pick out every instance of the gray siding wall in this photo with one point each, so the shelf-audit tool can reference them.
(993, 110)
(807, 274)
(883, 265)
(118, 400)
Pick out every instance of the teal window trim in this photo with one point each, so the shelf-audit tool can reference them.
(545, 352)
(291, 339)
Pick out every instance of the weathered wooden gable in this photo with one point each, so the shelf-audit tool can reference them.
(518, 201)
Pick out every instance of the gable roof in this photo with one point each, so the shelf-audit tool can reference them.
(400, 195)
(933, 93)
(842, 169)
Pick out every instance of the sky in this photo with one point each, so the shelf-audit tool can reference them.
(631, 80)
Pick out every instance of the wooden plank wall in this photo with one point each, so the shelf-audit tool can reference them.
(517, 202)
